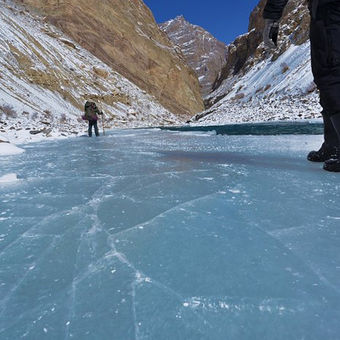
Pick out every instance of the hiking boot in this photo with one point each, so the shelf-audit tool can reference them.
(325, 153)
(333, 164)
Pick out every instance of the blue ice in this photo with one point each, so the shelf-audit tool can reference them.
(151, 234)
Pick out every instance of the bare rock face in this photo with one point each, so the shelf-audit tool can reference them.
(204, 53)
(124, 35)
(247, 51)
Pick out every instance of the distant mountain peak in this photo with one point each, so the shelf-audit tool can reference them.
(202, 51)
(180, 17)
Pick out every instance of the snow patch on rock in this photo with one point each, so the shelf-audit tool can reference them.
(271, 90)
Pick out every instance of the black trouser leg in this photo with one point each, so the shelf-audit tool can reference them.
(90, 128)
(325, 55)
(333, 164)
(330, 135)
(96, 128)
(336, 123)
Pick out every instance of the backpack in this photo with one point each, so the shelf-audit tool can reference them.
(90, 111)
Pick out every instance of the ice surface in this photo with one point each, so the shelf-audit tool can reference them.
(149, 234)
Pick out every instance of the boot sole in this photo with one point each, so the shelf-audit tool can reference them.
(330, 169)
(318, 160)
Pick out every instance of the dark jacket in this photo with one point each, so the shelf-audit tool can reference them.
(274, 8)
(91, 111)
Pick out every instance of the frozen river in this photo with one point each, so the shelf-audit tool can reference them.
(150, 234)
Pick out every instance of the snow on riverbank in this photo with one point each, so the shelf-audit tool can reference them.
(24, 136)
(6, 148)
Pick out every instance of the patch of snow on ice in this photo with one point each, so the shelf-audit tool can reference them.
(9, 178)
(7, 149)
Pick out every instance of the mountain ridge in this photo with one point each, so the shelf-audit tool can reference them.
(203, 52)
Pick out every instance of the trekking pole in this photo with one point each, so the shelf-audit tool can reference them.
(103, 123)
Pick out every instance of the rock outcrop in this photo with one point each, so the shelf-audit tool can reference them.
(124, 35)
(247, 50)
(259, 85)
(202, 51)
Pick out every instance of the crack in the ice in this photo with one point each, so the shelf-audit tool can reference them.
(133, 184)
(71, 314)
(246, 303)
(298, 257)
(56, 239)
(141, 277)
(134, 313)
(277, 232)
(94, 203)
(5, 300)
(162, 214)
(43, 222)
(74, 210)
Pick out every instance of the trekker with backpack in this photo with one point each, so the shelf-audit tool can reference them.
(325, 53)
(91, 114)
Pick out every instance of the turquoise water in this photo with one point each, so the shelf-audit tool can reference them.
(151, 234)
(258, 129)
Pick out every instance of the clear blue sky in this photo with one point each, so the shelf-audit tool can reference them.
(225, 19)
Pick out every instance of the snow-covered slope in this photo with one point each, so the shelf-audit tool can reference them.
(125, 36)
(257, 85)
(202, 51)
(46, 79)
(273, 90)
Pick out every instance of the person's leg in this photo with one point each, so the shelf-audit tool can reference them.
(96, 128)
(331, 137)
(325, 43)
(333, 164)
(328, 148)
(329, 80)
(331, 98)
(90, 128)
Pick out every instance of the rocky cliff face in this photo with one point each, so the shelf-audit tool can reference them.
(46, 77)
(256, 84)
(124, 35)
(204, 53)
(247, 50)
